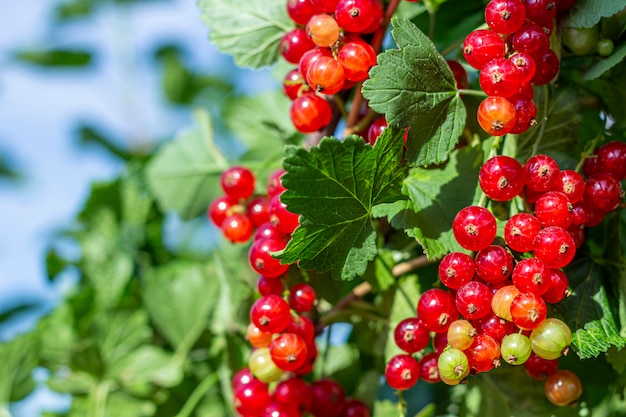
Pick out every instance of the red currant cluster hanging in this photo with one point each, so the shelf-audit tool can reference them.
(513, 55)
(501, 292)
(330, 53)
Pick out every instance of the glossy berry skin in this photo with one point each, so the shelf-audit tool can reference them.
(436, 310)
(258, 338)
(303, 327)
(326, 75)
(237, 228)
(376, 129)
(553, 208)
(270, 314)
(237, 182)
(356, 58)
(278, 410)
(294, 44)
(540, 11)
(563, 387)
(551, 339)
(558, 289)
(262, 367)
(461, 334)
(501, 178)
(220, 208)
(481, 46)
(572, 184)
(612, 159)
(402, 372)
(288, 351)
(358, 16)
(500, 77)
(453, 366)
(548, 66)
(327, 6)
(484, 353)
(310, 57)
(268, 230)
(242, 377)
(494, 326)
(505, 16)
(302, 297)
(456, 269)
(411, 335)
(496, 116)
(261, 259)
(528, 311)
(300, 11)
(460, 75)
(473, 300)
(493, 264)
(501, 301)
(293, 393)
(531, 275)
(251, 398)
(515, 348)
(603, 191)
(356, 408)
(323, 30)
(539, 368)
(541, 173)
(526, 66)
(429, 372)
(274, 185)
(310, 113)
(267, 286)
(474, 228)
(520, 231)
(525, 113)
(530, 38)
(294, 84)
(440, 342)
(554, 246)
(284, 220)
(328, 398)
(257, 211)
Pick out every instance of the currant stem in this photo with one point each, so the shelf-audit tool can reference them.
(588, 152)
(478, 93)
(402, 405)
(410, 265)
(341, 105)
(197, 395)
(357, 292)
(542, 129)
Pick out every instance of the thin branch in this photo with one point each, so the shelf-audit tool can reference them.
(410, 265)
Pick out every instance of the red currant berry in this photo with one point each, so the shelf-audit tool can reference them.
(603, 192)
(484, 353)
(357, 15)
(456, 269)
(258, 211)
(257, 337)
(496, 115)
(520, 231)
(274, 184)
(572, 184)
(356, 58)
(494, 326)
(461, 334)
(411, 335)
(300, 11)
(474, 228)
(612, 159)
(288, 351)
(548, 66)
(304, 328)
(481, 46)
(402, 372)
(356, 408)
(525, 113)
(554, 246)
(501, 178)
(270, 314)
(531, 275)
(500, 77)
(528, 311)
(436, 310)
(530, 38)
(501, 301)
(267, 286)
(310, 113)
(302, 297)
(237, 228)
(267, 229)
(539, 368)
(558, 287)
(283, 219)
(326, 75)
(554, 209)
(429, 372)
(327, 6)
(293, 393)
(323, 30)
(261, 259)
(563, 388)
(525, 65)
(493, 264)
(294, 44)
(505, 16)
(251, 399)
(541, 173)
(328, 398)
(294, 84)
(376, 129)
(221, 208)
(237, 182)
(539, 11)
(473, 300)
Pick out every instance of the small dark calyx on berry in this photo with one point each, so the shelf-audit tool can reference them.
(471, 308)
(471, 229)
(319, 88)
(533, 314)
(537, 279)
(459, 369)
(259, 264)
(443, 319)
(515, 231)
(532, 122)
(264, 321)
(543, 171)
(406, 375)
(409, 336)
(511, 359)
(433, 372)
(496, 363)
(564, 248)
(565, 351)
(550, 5)
(291, 357)
(468, 50)
(505, 15)
(505, 270)
(497, 125)
(354, 12)
(496, 77)
(503, 182)
(568, 187)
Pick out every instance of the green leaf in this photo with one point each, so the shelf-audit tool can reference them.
(604, 64)
(149, 364)
(413, 86)
(18, 362)
(119, 333)
(55, 58)
(335, 187)
(587, 13)
(435, 196)
(249, 30)
(184, 174)
(588, 311)
(179, 297)
(387, 408)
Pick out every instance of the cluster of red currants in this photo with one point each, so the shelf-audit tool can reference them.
(330, 53)
(501, 292)
(513, 55)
